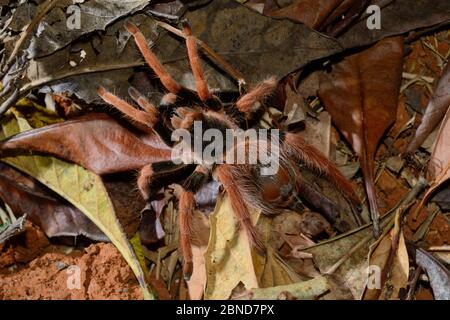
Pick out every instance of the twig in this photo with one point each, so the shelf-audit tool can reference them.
(441, 248)
(424, 227)
(412, 285)
(411, 76)
(9, 102)
(13, 229)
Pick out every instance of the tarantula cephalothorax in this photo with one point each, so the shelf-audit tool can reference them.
(180, 108)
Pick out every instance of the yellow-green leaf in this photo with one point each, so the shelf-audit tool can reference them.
(228, 258)
(82, 188)
(270, 268)
(137, 247)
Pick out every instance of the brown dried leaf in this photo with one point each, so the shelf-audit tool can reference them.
(200, 230)
(96, 141)
(52, 214)
(393, 267)
(361, 94)
(439, 166)
(435, 112)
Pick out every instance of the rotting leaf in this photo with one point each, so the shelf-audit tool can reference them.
(361, 94)
(95, 141)
(84, 189)
(435, 111)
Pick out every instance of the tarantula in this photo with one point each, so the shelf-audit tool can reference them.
(245, 186)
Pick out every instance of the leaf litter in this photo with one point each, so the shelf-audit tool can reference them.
(390, 73)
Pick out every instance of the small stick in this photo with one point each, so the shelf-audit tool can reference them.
(412, 76)
(9, 102)
(412, 286)
(13, 229)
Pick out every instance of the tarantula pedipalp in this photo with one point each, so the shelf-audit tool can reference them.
(181, 108)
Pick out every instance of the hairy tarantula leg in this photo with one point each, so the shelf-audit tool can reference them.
(185, 118)
(196, 66)
(296, 147)
(154, 176)
(127, 109)
(185, 214)
(166, 79)
(186, 210)
(246, 103)
(143, 102)
(197, 179)
(239, 206)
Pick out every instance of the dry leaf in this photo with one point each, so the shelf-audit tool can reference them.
(391, 267)
(200, 237)
(361, 95)
(95, 141)
(439, 166)
(435, 112)
(228, 256)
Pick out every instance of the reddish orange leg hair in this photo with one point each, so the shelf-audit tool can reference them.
(295, 146)
(168, 82)
(143, 102)
(261, 91)
(238, 204)
(185, 214)
(202, 87)
(134, 114)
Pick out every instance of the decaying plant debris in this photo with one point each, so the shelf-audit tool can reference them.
(374, 102)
